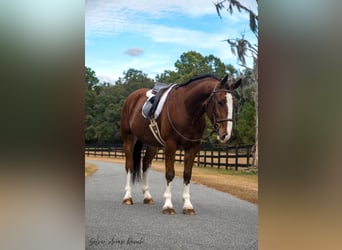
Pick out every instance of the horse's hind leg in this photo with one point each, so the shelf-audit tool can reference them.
(149, 155)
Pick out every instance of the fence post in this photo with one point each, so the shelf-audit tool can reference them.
(212, 157)
(205, 158)
(198, 157)
(236, 157)
(227, 158)
(248, 153)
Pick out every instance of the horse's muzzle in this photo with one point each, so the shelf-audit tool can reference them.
(223, 138)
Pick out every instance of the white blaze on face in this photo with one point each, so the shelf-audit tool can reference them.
(229, 117)
(230, 114)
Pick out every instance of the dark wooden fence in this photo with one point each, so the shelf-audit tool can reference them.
(208, 156)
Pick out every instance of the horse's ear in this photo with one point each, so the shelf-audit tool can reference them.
(235, 84)
(224, 82)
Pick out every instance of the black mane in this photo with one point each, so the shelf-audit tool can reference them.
(198, 77)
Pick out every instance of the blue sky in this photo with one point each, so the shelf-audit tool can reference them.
(150, 35)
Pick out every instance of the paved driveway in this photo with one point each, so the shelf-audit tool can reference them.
(221, 221)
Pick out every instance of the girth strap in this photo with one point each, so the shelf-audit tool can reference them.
(155, 131)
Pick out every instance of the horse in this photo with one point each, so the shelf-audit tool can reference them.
(181, 124)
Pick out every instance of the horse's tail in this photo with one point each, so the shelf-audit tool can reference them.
(137, 161)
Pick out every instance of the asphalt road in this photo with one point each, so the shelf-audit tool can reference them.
(221, 221)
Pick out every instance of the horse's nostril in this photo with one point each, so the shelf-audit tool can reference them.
(223, 136)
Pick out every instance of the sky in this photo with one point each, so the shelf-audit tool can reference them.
(151, 35)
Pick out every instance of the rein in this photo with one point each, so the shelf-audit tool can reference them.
(174, 128)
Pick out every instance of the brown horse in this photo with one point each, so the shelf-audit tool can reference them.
(181, 124)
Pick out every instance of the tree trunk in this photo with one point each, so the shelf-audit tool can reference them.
(256, 149)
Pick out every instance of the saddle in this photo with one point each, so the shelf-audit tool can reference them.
(151, 105)
(153, 97)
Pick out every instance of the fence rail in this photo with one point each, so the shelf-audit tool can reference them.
(208, 155)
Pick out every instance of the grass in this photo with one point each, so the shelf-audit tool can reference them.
(90, 169)
(238, 183)
(241, 184)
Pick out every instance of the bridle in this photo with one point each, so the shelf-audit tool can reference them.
(215, 120)
(212, 98)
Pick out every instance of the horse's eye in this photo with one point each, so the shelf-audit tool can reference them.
(220, 103)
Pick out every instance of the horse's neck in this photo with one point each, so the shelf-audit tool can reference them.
(197, 95)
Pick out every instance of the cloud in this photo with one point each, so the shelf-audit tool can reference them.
(152, 8)
(134, 52)
(156, 26)
(109, 18)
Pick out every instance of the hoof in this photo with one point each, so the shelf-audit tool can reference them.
(128, 201)
(189, 211)
(149, 201)
(168, 210)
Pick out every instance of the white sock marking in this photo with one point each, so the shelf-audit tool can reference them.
(128, 186)
(167, 196)
(186, 197)
(144, 186)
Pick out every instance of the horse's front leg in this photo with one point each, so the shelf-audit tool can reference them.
(187, 208)
(170, 151)
(190, 155)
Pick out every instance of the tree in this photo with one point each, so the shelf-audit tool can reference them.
(193, 63)
(190, 64)
(104, 103)
(168, 77)
(241, 47)
(246, 119)
(91, 83)
(91, 80)
(231, 70)
(217, 66)
(134, 79)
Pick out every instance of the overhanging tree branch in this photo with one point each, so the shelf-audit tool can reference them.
(253, 18)
(240, 46)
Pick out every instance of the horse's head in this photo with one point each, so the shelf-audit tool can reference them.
(220, 107)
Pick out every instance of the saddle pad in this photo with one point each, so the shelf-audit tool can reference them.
(161, 102)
